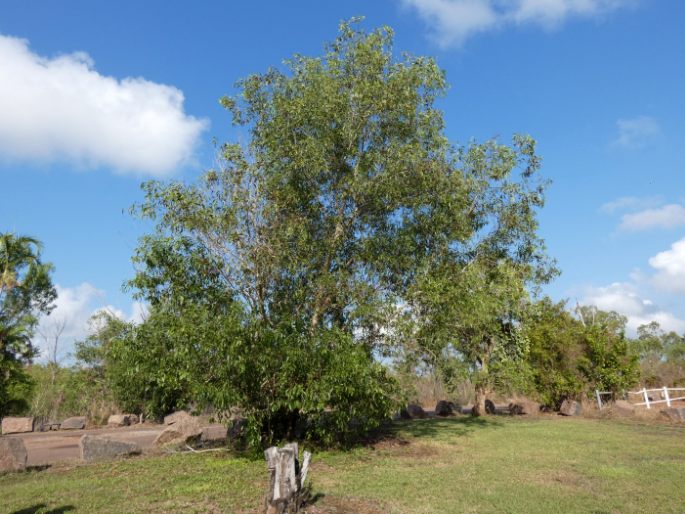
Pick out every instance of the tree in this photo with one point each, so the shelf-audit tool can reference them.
(662, 356)
(26, 292)
(347, 203)
(571, 357)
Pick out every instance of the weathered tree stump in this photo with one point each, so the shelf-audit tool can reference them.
(286, 479)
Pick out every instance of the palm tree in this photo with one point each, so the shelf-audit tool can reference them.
(26, 292)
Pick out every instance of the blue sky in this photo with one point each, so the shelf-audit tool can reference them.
(97, 96)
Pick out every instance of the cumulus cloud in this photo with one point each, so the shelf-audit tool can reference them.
(636, 132)
(623, 297)
(69, 320)
(453, 21)
(62, 109)
(668, 216)
(670, 268)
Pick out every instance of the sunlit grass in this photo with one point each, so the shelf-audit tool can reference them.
(498, 464)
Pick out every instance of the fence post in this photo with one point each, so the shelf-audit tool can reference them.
(666, 396)
(644, 393)
(599, 399)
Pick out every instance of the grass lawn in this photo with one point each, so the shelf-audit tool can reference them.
(495, 464)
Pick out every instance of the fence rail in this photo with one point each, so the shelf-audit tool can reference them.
(663, 392)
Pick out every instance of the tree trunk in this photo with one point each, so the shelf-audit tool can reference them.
(479, 402)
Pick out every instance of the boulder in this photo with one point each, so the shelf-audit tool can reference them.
(490, 407)
(415, 411)
(119, 420)
(176, 416)
(132, 419)
(524, 407)
(571, 408)
(16, 425)
(446, 408)
(182, 431)
(238, 426)
(623, 408)
(674, 413)
(12, 454)
(74, 423)
(47, 426)
(214, 434)
(94, 448)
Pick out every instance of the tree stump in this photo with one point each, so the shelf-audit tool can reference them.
(286, 479)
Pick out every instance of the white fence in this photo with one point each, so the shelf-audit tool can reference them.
(664, 394)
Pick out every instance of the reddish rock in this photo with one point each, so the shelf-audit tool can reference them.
(74, 423)
(16, 425)
(119, 420)
(12, 454)
(571, 408)
(176, 416)
(214, 434)
(95, 448)
(184, 430)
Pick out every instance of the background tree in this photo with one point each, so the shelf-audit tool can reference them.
(26, 292)
(571, 356)
(662, 356)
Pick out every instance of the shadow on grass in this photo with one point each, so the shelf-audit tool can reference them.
(431, 428)
(41, 508)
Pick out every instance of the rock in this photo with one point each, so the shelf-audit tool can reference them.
(623, 408)
(74, 423)
(132, 419)
(47, 426)
(12, 454)
(238, 426)
(571, 408)
(118, 420)
(490, 407)
(674, 413)
(176, 416)
(415, 411)
(445, 408)
(16, 425)
(214, 434)
(524, 407)
(94, 448)
(182, 431)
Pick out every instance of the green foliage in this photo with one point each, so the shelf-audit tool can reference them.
(571, 357)
(662, 356)
(61, 392)
(25, 292)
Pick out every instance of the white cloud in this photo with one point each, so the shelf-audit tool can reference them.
(623, 297)
(668, 216)
(636, 132)
(670, 268)
(630, 203)
(454, 21)
(70, 318)
(62, 109)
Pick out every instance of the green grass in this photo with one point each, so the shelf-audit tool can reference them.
(498, 464)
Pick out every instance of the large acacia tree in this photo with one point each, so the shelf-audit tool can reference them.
(346, 206)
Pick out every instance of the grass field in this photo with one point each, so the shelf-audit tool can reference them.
(496, 464)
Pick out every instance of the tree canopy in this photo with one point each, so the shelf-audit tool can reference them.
(26, 292)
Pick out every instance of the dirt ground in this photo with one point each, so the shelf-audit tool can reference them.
(62, 445)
